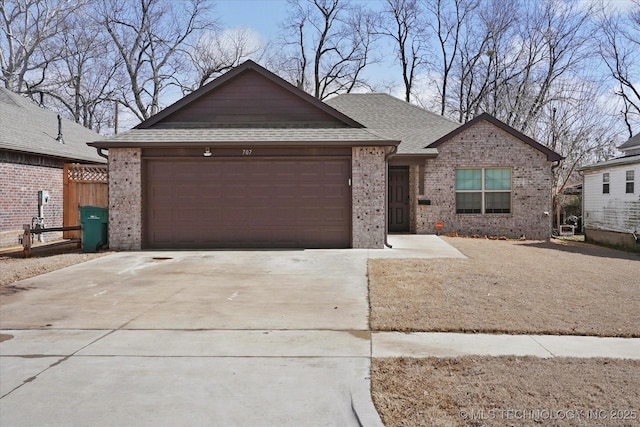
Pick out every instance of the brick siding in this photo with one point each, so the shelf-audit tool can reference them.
(482, 146)
(125, 199)
(19, 186)
(368, 197)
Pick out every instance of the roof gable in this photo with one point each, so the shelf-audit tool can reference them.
(551, 155)
(248, 96)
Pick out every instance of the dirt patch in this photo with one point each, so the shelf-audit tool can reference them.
(14, 268)
(506, 391)
(555, 287)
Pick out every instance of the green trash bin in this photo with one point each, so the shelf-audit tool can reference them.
(94, 221)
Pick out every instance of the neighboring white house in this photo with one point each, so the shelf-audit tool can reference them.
(611, 199)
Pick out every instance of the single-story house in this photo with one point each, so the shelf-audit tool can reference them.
(611, 198)
(35, 144)
(249, 160)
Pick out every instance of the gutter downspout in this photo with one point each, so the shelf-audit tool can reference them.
(101, 153)
(391, 152)
(556, 212)
(582, 204)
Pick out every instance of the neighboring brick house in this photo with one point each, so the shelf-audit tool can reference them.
(611, 198)
(32, 157)
(249, 160)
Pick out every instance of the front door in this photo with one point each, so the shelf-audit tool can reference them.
(398, 199)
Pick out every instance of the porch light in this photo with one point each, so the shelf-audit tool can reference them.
(207, 152)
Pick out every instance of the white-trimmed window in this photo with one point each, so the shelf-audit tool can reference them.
(483, 191)
(605, 183)
(630, 182)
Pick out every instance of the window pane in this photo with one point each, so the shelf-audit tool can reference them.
(467, 203)
(605, 177)
(497, 203)
(497, 179)
(630, 175)
(468, 179)
(630, 188)
(605, 188)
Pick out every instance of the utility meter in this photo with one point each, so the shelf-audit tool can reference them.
(43, 197)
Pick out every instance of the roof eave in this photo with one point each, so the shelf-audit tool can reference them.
(411, 159)
(53, 156)
(621, 161)
(632, 142)
(177, 144)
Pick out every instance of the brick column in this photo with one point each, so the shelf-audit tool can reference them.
(368, 194)
(125, 198)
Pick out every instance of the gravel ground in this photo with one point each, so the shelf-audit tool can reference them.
(14, 268)
(530, 287)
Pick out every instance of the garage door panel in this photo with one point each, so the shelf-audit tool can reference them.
(247, 203)
(162, 216)
(187, 215)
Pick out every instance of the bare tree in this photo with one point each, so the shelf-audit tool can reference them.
(149, 36)
(448, 24)
(403, 22)
(576, 128)
(620, 50)
(363, 23)
(557, 49)
(31, 40)
(86, 75)
(218, 52)
(482, 67)
(327, 45)
(513, 58)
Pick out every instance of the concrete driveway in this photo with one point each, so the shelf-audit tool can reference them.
(233, 338)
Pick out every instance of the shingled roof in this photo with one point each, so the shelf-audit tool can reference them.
(27, 128)
(631, 144)
(394, 118)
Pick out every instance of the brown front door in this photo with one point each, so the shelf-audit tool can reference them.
(399, 199)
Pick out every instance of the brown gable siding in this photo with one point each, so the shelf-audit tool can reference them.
(249, 99)
(269, 101)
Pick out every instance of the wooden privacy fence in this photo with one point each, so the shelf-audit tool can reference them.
(83, 185)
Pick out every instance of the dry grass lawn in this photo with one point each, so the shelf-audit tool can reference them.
(529, 287)
(508, 287)
(506, 391)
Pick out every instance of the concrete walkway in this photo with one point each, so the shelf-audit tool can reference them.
(439, 344)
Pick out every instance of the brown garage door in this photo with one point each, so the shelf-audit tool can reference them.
(247, 203)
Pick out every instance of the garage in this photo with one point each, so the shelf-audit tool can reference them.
(247, 161)
(248, 202)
